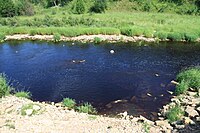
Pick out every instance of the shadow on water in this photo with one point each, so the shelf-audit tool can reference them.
(136, 78)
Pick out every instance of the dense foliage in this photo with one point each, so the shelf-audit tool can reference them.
(10, 8)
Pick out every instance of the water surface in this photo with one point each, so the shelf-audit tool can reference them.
(141, 73)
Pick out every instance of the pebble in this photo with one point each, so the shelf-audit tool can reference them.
(29, 112)
(112, 51)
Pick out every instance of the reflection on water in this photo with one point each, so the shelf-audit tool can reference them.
(139, 74)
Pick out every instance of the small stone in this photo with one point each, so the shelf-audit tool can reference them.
(29, 112)
(198, 109)
(191, 93)
(163, 124)
(191, 111)
(146, 120)
(187, 120)
(52, 103)
(180, 126)
(58, 104)
(112, 51)
(161, 118)
(198, 119)
(36, 107)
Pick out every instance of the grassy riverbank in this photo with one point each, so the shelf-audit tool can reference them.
(158, 25)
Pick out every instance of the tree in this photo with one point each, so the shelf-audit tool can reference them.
(99, 6)
(7, 8)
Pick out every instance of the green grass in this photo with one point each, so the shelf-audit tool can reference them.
(188, 78)
(23, 94)
(161, 25)
(56, 37)
(5, 89)
(68, 102)
(175, 114)
(86, 108)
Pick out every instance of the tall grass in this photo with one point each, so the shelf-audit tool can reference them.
(5, 89)
(23, 94)
(175, 114)
(172, 26)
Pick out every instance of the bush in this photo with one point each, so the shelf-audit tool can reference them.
(175, 114)
(5, 89)
(7, 8)
(56, 37)
(24, 8)
(99, 6)
(86, 108)
(23, 94)
(190, 76)
(70, 103)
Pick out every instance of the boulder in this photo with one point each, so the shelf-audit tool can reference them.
(191, 112)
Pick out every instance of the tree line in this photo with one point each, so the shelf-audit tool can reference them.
(10, 8)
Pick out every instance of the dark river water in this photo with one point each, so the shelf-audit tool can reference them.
(139, 76)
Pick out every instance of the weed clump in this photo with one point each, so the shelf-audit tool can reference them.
(23, 94)
(175, 114)
(5, 89)
(56, 37)
(70, 103)
(86, 108)
(97, 40)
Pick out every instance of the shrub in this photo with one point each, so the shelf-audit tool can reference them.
(175, 114)
(190, 76)
(99, 6)
(79, 7)
(24, 7)
(86, 108)
(97, 40)
(70, 103)
(161, 35)
(23, 94)
(191, 37)
(7, 8)
(56, 37)
(5, 89)
(175, 36)
(182, 87)
(134, 31)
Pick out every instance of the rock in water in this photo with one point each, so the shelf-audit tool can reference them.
(112, 51)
